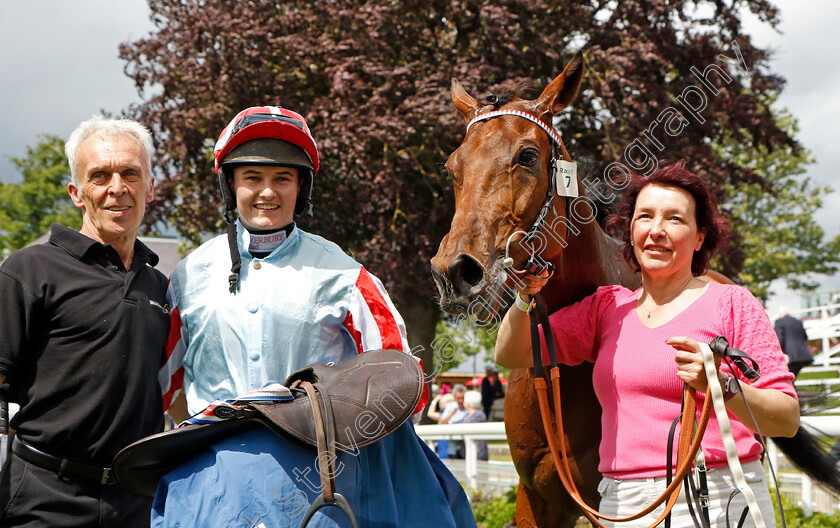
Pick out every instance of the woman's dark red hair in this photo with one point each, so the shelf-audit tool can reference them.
(707, 212)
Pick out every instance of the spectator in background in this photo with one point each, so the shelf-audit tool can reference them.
(436, 407)
(454, 413)
(793, 338)
(439, 403)
(491, 389)
(472, 404)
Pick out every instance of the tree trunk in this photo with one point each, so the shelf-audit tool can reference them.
(421, 316)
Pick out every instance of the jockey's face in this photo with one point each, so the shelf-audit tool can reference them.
(265, 195)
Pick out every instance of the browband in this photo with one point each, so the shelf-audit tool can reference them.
(555, 138)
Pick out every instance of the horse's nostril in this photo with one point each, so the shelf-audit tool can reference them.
(465, 270)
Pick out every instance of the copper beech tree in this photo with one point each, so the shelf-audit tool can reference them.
(372, 79)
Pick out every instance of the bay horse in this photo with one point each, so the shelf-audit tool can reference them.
(501, 181)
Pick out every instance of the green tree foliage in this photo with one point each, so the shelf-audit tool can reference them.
(773, 214)
(28, 208)
(372, 78)
(497, 512)
(458, 340)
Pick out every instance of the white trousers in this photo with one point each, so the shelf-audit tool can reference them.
(622, 498)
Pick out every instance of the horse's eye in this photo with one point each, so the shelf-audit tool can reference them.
(448, 174)
(528, 157)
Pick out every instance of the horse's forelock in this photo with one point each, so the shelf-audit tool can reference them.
(508, 92)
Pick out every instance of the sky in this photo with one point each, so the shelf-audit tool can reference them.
(805, 53)
(60, 69)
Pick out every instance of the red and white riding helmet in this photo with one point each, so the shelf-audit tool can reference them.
(268, 135)
(262, 122)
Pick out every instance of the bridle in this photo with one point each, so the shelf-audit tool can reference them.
(558, 154)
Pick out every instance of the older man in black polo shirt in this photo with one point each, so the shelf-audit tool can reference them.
(84, 319)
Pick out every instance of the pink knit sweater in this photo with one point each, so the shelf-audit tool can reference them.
(635, 375)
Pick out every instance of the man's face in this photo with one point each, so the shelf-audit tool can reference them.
(265, 195)
(115, 184)
(459, 397)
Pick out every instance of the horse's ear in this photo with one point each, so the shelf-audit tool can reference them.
(563, 89)
(464, 102)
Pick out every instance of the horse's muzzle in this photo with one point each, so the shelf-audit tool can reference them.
(459, 282)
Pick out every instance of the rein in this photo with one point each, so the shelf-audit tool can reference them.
(691, 431)
(688, 445)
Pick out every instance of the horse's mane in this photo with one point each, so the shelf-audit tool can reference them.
(590, 169)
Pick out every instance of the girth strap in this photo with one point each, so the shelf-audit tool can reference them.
(325, 431)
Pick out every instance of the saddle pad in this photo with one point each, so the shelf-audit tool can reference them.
(371, 395)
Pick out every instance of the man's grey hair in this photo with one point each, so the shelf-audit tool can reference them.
(108, 127)
(460, 387)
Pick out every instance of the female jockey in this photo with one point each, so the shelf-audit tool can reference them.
(260, 303)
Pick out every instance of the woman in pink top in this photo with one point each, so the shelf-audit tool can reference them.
(644, 345)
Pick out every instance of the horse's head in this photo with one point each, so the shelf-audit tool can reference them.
(501, 179)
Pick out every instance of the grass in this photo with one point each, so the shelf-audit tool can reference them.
(496, 512)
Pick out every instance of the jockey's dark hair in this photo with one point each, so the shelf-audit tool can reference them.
(706, 212)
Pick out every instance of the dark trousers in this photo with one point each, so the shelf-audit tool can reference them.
(796, 366)
(34, 497)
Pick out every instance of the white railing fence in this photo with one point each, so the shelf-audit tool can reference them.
(489, 476)
(822, 323)
(469, 433)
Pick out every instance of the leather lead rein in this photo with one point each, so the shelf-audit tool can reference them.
(687, 448)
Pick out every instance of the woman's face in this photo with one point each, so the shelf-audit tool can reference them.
(664, 230)
(265, 195)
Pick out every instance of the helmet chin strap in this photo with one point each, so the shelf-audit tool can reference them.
(229, 201)
(236, 261)
(303, 205)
